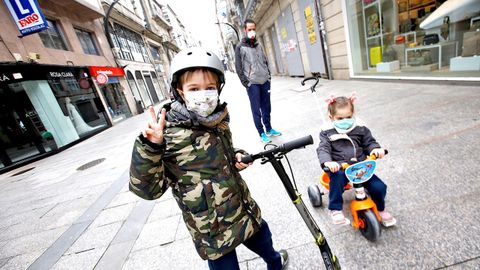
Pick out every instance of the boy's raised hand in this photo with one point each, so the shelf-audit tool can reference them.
(154, 130)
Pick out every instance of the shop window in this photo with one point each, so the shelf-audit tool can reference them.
(160, 85)
(147, 101)
(155, 54)
(87, 41)
(405, 38)
(52, 37)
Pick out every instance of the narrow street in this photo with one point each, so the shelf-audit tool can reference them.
(55, 216)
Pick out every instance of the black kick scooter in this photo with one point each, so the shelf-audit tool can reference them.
(274, 156)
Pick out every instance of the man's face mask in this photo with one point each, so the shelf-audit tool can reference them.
(202, 102)
(251, 34)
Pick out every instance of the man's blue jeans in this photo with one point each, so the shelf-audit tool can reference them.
(375, 186)
(259, 95)
(260, 243)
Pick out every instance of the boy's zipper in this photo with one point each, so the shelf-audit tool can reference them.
(231, 163)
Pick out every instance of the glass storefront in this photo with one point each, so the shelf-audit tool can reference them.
(413, 38)
(117, 104)
(43, 108)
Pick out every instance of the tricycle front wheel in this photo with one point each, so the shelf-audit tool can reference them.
(369, 225)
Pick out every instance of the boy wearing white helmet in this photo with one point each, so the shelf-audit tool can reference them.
(188, 147)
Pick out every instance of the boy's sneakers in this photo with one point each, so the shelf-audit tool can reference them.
(273, 132)
(387, 218)
(265, 138)
(338, 218)
(284, 257)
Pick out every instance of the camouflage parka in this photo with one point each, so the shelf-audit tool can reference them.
(196, 160)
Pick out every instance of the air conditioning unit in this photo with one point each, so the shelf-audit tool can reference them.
(33, 57)
(164, 38)
(116, 52)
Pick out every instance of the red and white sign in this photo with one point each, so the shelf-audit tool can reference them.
(102, 79)
(84, 83)
(109, 71)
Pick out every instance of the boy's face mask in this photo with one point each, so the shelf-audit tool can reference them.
(202, 102)
(251, 34)
(344, 124)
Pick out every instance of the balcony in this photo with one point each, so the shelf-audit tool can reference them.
(87, 10)
(255, 9)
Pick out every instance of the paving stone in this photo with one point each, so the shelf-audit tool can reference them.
(21, 262)
(29, 243)
(158, 233)
(125, 197)
(177, 255)
(95, 237)
(80, 261)
(112, 215)
(164, 209)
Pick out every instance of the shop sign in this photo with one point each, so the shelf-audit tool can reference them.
(84, 83)
(4, 78)
(27, 15)
(109, 71)
(310, 26)
(102, 79)
(56, 74)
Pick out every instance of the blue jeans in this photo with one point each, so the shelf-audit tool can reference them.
(259, 95)
(375, 187)
(260, 243)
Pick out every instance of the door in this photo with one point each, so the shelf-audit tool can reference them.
(311, 34)
(289, 43)
(276, 50)
(21, 129)
(151, 88)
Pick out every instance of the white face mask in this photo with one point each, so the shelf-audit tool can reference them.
(251, 34)
(202, 102)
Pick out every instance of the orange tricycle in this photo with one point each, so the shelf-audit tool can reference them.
(364, 210)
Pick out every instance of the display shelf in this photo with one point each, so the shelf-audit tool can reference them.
(370, 5)
(378, 30)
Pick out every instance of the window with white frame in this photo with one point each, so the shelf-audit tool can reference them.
(52, 37)
(87, 41)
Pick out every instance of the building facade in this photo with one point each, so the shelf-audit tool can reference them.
(379, 39)
(48, 96)
(137, 42)
(66, 83)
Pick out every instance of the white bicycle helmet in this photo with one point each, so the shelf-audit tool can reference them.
(191, 58)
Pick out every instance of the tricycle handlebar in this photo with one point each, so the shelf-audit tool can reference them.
(345, 165)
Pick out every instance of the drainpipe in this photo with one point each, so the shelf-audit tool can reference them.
(106, 24)
(323, 41)
(145, 14)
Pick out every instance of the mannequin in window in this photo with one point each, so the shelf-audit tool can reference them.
(76, 118)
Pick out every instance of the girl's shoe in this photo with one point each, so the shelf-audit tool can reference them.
(387, 219)
(284, 258)
(338, 218)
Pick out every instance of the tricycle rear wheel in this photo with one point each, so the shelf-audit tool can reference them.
(369, 225)
(315, 196)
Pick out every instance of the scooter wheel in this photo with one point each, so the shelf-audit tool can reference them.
(315, 196)
(369, 225)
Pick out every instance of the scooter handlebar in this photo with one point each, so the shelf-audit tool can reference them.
(284, 148)
(300, 142)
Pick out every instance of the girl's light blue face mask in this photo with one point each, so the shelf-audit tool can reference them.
(344, 124)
